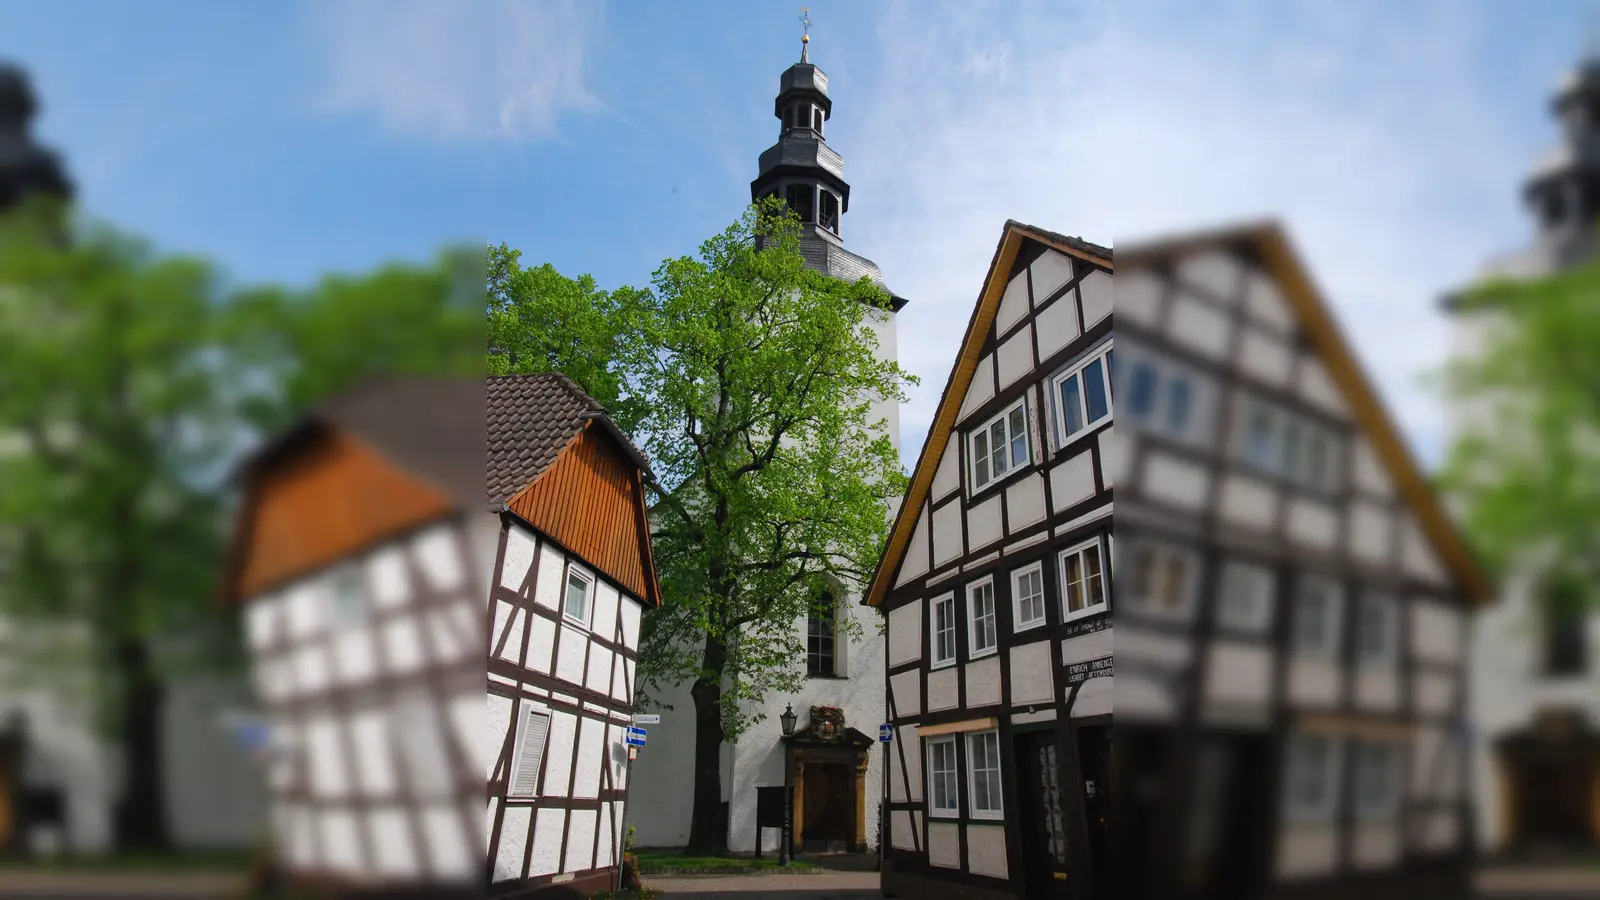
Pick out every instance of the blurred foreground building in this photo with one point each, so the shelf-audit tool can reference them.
(996, 588)
(1293, 601)
(1536, 694)
(573, 574)
(362, 558)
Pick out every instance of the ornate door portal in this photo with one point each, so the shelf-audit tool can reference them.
(828, 762)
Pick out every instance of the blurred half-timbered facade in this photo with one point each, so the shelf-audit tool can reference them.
(1292, 619)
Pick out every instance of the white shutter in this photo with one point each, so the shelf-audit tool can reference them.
(525, 777)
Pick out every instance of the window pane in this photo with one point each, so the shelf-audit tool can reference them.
(1317, 459)
(1141, 390)
(997, 452)
(1071, 406)
(1094, 389)
(577, 590)
(1178, 402)
(1019, 439)
(980, 458)
(1073, 582)
(1095, 587)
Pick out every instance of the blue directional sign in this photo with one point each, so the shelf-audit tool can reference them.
(635, 736)
(885, 732)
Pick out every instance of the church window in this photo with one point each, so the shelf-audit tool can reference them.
(822, 635)
(829, 217)
(800, 198)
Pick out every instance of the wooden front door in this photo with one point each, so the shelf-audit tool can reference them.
(1043, 813)
(829, 806)
(1094, 764)
(1553, 801)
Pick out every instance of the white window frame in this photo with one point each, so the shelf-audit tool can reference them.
(979, 812)
(526, 710)
(934, 810)
(352, 577)
(1378, 763)
(1277, 462)
(1098, 352)
(586, 576)
(1068, 615)
(1333, 632)
(1004, 416)
(1145, 606)
(1164, 372)
(1019, 623)
(1295, 766)
(1259, 583)
(939, 662)
(1387, 607)
(973, 630)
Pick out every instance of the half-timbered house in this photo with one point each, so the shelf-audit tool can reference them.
(573, 574)
(1293, 603)
(997, 592)
(357, 564)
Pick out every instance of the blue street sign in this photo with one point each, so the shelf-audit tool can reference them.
(885, 732)
(634, 737)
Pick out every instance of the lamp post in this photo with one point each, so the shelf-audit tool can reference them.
(787, 721)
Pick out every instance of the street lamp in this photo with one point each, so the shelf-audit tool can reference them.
(787, 721)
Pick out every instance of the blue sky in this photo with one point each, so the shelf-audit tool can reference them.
(285, 140)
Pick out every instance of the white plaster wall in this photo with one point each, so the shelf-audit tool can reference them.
(946, 533)
(980, 390)
(1030, 673)
(915, 562)
(1016, 356)
(1094, 292)
(1175, 481)
(905, 632)
(1050, 271)
(1072, 481)
(1057, 325)
(1013, 304)
(1306, 851)
(1199, 326)
(1212, 270)
(1266, 304)
(983, 524)
(1025, 503)
(986, 850)
(983, 681)
(944, 844)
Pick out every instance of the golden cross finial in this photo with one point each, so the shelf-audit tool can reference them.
(805, 34)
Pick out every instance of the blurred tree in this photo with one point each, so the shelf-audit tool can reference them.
(748, 381)
(1525, 468)
(128, 382)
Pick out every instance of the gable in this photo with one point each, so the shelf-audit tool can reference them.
(334, 497)
(1026, 262)
(591, 501)
(1283, 309)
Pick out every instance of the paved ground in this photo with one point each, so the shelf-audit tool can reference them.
(1541, 883)
(18, 885)
(829, 886)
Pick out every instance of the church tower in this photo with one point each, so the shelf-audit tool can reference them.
(26, 169)
(806, 173)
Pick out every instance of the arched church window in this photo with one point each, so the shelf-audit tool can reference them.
(822, 633)
(801, 199)
(828, 212)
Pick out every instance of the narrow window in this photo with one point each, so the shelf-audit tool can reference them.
(944, 629)
(580, 586)
(1141, 390)
(1376, 626)
(1316, 617)
(983, 753)
(816, 119)
(829, 215)
(349, 595)
(980, 604)
(942, 791)
(1179, 400)
(821, 634)
(1245, 603)
(1566, 642)
(1260, 432)
(535, 729)
(1310, 767)
(1027, 591)
(1378, 769)
(1082, 581)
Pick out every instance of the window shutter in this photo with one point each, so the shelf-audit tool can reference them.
(526, 780)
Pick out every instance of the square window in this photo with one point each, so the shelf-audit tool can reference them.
(1083, 394)
(1162, 579)
(1027, 593)
(1082, 581)
(580, 587)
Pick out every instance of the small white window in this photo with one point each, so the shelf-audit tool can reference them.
(579, 592)
(1083, 590)
(1377, 621)
(1082, 394)
(1163, 397)
(349, 595)
(980, 609)
(1245, 601)
(1000, 446)
(1162, 579)
(1027, 595)
(1378, 776)
(533, 731)
(1316, 617)
(1310, 782)
(943, 795)
(983, 776)
(942, 622)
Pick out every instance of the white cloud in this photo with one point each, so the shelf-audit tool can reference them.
(499, 70)
(1367, 134)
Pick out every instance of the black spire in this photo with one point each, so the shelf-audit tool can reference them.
(26, 169)
(807, 174)
(1564, 188)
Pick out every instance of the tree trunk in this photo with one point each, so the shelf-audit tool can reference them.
(141, 816)
(706, 836)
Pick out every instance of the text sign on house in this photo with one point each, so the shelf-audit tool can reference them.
(647, 719)
(634, 737)
(886, 732)
(1091, 668)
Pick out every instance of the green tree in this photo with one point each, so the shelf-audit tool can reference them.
(1525, 468)
(129, 380)
(751, 379)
